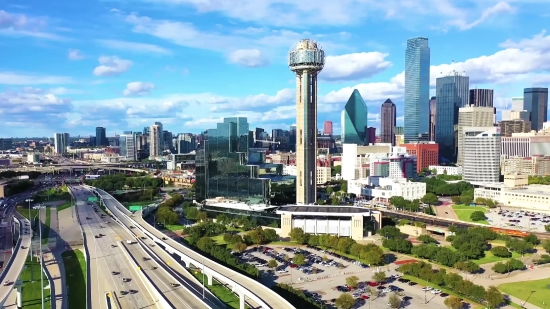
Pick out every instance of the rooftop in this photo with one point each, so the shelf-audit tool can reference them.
(319, 208)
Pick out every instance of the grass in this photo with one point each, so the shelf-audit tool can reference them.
(64, 206)
(32, 294)
(523, 289)
(463, 212)
(224, 294)
(219, 240)
(46, 228)
(75, 276)
(24, 211)
(173, 227)
(490, 258)
(443, 289)
(53, 194)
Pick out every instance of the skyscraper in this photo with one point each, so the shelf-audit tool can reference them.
(417, 89)
(61, 141)
(471, 116)
(306, 60)
(481, 97)
(154, 140)
(452, 93)
(354, 120)
(535, 100)
(101, 137)
(327, 127)
(482, 150)
(388, 118)
(433, 117)
(160, 142)
(128, 145)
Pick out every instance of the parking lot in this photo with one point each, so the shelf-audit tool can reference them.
(525, 220)
(323, 277)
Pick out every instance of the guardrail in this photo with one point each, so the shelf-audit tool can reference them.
(13, 257)
(153, 290)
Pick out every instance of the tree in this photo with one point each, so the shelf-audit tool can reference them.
(532, 239)
(352, 281)
(547, 227)
(203, 216)
(426, 239)
(239, 247)
(206, 244)
(223, 219)
(394, 300)
(502, 252)
(453, 303)
(299, 259)
(298, 235)
(493, 297)
(272, 264)
(478, 216)
(455, 199)
(345, 301)
(546, 245)
(379, 276)
(430, 199)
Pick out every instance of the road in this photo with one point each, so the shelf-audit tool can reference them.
(261, 291)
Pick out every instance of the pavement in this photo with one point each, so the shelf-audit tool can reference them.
(445, 211)
(68, 228)
(258, 289)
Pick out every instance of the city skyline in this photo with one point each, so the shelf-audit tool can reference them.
(75, 78)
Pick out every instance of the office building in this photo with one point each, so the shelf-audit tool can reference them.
(61, 142)
(6, 143)
(101, 137)
(526, 144)
(516, 115)
(535, 101)
(433, 113)
(399, 130)
(186, 143)
(370, 135)
(481, 151)
(388, 116)
(167, 138)
(128, 146)
(481, 97)
(446, 169)
(417, 88)
(225, 167)
(452, 92)
(427, 153)
(382, 189)
(472, 116)
(354, 120)
(517, 104)
(516, 191)
(531, 166)
(154, 140)
(327, 128)
(508, 127)
(160, 142)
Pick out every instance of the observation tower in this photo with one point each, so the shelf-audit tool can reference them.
(306, 59)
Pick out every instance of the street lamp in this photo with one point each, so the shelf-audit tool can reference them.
(38, 208)
(525, 302)
(32, 263)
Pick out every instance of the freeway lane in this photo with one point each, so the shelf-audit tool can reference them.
(110, 266)
(267, 295)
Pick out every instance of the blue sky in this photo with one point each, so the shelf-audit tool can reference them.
(69, 66)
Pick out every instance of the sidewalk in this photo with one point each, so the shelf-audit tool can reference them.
(54, 265)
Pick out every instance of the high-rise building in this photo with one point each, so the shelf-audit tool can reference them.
(472, 116)
(226, 168)
(417, 88)
(433, 113)
(508, 127)
(6, 143)
(146, 130)
(167, 137)
(160, 142)
(535, 100)
(452, 93)
(370, 135)
(427, 153)
(306, 60)
(354, 120)
(61, 142)
(154, 140)
(481, 97)
(101, 137)
(327, 127)
(517, 104)
(186, 143)
(481, 150)
(128, 145)
(387, 122)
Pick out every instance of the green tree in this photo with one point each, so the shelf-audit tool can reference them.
(546, 245)
(493, 297)
(453, 302)
(345, 301)
(532, 239)
(502, 252)
(272, 264)
(478, 216)
(223, 219)
(299, 259)
(379, 276)
(547, 227)
(426, 239)
(206, 244)
(297, 235)
(203, 216)
(430, 199)
(239, 247)
(352, 281)
(344, 244)
(394, 300)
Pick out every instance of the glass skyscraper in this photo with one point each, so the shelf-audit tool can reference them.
(452, 92)
(223, 168)
(535, 100)
(101, 137)
(127, 142)
(417, 89)
(354, 120)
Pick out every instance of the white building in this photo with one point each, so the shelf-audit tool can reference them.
(481, 154)
(447, 170)
(128, 150)
(33, 158)
(323, 173)
(376, 160)
(155, 135)
(472, 116)
(526, 144)
(384, 188)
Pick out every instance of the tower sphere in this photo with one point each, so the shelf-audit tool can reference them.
(306, 55)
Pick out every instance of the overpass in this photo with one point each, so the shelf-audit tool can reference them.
(70, 168)
(243, 286)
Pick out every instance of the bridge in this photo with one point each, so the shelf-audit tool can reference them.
(246, 288)
(58, 168)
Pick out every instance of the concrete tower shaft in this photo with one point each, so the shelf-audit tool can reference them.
(306, 60)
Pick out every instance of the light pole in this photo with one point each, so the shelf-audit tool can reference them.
(32, 263)
(525, 302)
(38, 208)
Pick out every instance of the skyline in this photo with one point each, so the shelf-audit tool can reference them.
(76, 75)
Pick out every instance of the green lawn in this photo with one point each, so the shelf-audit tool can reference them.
(443, 289)
(463, 212)
(225, 295)
(174, 227)
(24, 211)
(490, 258)
(523, 289)
(64, 206)
(32, 294)
(53, 195)
(75, 275)
(219, 240)
(46, 228)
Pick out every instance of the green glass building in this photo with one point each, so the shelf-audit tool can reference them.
(354, 120)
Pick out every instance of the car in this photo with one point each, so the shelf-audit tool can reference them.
(443, 294)
(428, 288)
(412, 283)
(126, 279)
(174, 285)
(7, 282)
(402, 280)
(436, 291)
(23, 247)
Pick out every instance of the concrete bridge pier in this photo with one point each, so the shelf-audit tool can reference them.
(242, 300)
(19, 296)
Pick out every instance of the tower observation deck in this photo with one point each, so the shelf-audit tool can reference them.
(306, 59)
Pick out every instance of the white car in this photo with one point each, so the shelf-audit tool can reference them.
(428, 288)
(436, 291)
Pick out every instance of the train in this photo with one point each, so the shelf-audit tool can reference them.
(509, 232)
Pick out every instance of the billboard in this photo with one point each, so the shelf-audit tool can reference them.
(92, 199)
(135, 208)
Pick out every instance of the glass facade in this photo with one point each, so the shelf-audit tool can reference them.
(417, 89)
(354, 120)
(535, 100)
(101, 137)
(452, 93)
(223, 169)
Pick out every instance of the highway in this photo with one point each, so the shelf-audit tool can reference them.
(115, 235)
(273, 300)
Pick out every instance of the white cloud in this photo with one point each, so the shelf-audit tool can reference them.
(75, 54)
(354, 66)
(251, 58)
(112, 66)
(10, 78)
(19, 25)
(134, 46)
(138, 88)
(499, 8)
